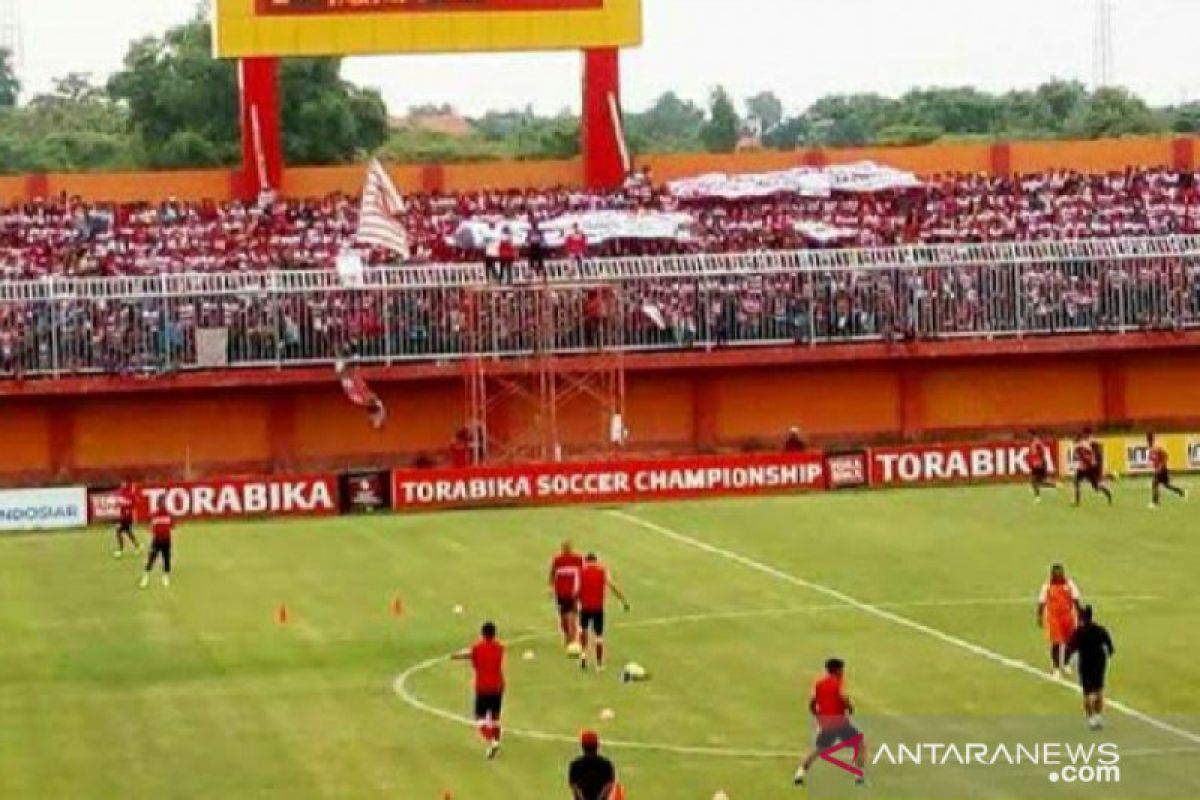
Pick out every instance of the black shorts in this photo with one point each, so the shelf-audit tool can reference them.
(828, 738)
(1091, 476)
(125, 526)
(487, 706)
(1162, 477)
(592, 620)
(159, 547)
(566, 605)
(1091, 680)
(1039, 474)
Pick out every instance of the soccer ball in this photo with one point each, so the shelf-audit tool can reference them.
(608, 715)
(574, 650)
(634, 673)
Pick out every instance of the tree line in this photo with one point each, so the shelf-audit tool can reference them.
(172, 105)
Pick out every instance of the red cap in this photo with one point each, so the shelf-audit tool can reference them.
(589, 739)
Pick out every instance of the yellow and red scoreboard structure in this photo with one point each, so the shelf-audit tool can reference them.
(259, 32)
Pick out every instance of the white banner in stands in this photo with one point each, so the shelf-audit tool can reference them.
(43, 509)
(864, 176)
(822, 233)
(598, 226)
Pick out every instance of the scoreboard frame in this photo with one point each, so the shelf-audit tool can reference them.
(288, 28)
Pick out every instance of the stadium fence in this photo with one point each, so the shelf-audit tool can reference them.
(63, 325)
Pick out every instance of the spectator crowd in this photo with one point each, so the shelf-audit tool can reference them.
(73, 238)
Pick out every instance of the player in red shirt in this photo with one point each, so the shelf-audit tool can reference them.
(831, 710)
(1088, 466)
(162, 527)
(487, 659)
(1039, 466)
(565, 572)
(594, 583)
(125, 505)
(1162, 472)
(360, 394)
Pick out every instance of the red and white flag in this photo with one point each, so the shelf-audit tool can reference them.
(381, 204)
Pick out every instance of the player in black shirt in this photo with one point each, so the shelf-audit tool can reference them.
(1094, 647)
(592, 776)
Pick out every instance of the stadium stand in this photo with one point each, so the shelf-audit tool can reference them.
(93, 287)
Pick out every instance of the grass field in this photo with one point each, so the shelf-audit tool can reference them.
(197, 692)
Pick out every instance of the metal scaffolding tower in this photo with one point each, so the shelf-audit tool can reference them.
(514, 405)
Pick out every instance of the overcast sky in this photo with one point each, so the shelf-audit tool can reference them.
(801, 49)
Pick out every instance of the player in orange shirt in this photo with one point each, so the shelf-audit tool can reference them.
(487, 660)
(1057, 613)
(1162, 472)
(565, 571)
(593, 585)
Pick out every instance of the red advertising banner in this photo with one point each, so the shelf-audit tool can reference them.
(607, 482)
(264, 496)
(846, 470)
(103, 506)
(952, 463)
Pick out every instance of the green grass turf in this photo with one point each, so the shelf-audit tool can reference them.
(196, 692)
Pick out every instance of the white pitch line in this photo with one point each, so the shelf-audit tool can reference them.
(896, 619)
(401, 688)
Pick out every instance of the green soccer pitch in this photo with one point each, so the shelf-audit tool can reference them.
(197, 691)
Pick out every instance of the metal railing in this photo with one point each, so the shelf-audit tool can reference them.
(63, 326)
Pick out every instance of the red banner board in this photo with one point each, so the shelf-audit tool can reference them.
(102, 505)
(263, 496)
(847, 470)
(952, 463)
(606, 482)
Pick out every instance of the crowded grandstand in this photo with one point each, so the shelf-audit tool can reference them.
(858, 442)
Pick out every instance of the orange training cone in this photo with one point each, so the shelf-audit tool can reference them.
(618, 792)
(397, 606)
(281, 616)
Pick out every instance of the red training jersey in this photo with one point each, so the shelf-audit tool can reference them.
(161, 527)
(833, 710)
(125, 503)
(593, 582)
(1037, 454)
(1085, 455)
(487, 657)
(566, 569)
(1158, 458)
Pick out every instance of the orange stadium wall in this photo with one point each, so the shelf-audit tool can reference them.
(185, 426)
(1002, 158)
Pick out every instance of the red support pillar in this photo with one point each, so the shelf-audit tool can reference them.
(604, 154)
(262, 135)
